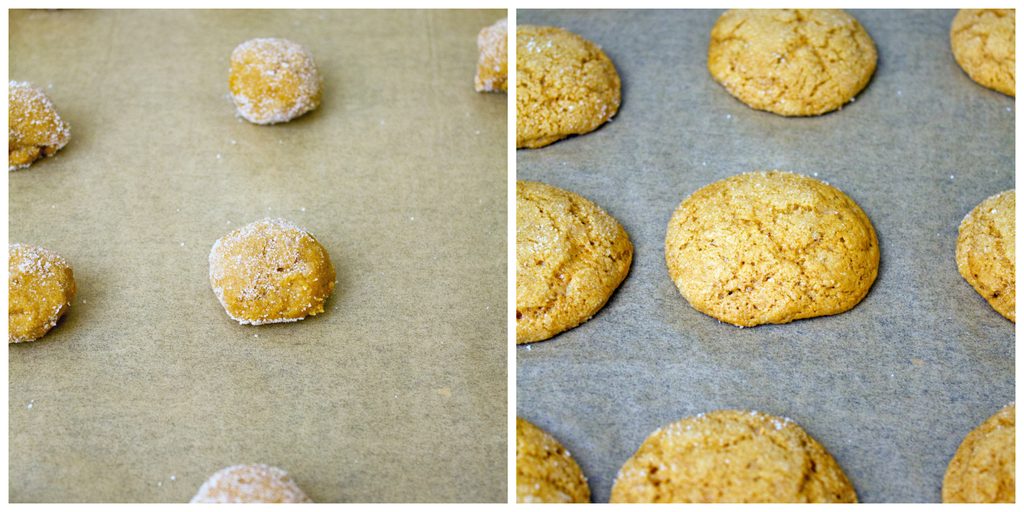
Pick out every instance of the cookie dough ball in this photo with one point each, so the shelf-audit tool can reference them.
(982, 471)
(253, 483)
(985, 252)
(36, 130)
(793, 62)
(40, 288)
(770, 247)
(273, 80)
(570, 257)
(983, 42)
(565, 85)
(732, 457)
(492, 67)
(270, 271)
(545, 471)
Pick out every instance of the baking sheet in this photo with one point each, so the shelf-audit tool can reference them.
(891, 387)
(396, 393)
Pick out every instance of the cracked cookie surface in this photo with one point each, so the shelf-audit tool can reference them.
(35, 129)
(570, 256)
(565, 85)
(985, 251)
(983, 44)
(40, 287)
(770, 247)
(982, 471)
(792, 62)
(545, 470)
(732, 457)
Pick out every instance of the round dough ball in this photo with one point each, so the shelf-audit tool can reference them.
(545, 470)
(492, 66)
(985, 251)
(792, 62)
(732, 457)
(36, 130)
(253, 483)
(570, 257)
(982, 471)
(565, 85)
(270, 271)
(273, 80)
(41, 286)
(770, 247)
(983, 42)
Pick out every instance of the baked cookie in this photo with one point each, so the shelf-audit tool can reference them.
(982, 471)
(40, 288)
(492, 66)
(273, 80)
(253, 483)
(983, 45)
(270, 271)
(770, 247)
(570, 257)
(36, 130)
(985, 251)
(732, 457)
(792, 62)
(565, 85)
(545, 471)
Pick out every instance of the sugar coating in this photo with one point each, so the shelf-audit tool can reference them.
(730, 456)
(984, 45)
(41, 286)
(982, 470)
(986, 251)
(36, 130)
(273, 80)
(252, 483)
(545, 470)
(492, 66)
(270, 271)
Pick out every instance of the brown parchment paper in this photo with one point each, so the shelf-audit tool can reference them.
(395, 393)
(891, 387)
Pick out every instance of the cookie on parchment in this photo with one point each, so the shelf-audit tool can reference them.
(770, 247)
(982, 471)
(36, 130)
(273, 80)
(40, 287)
(792, 62)
(565, 85)
(570, 256)
(545, 470)
(732, 457)
(983, 45)
(492, 65)
(985, 251)
(252, 483)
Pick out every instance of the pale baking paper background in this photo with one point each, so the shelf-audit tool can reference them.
(891, 387)
(396, 393)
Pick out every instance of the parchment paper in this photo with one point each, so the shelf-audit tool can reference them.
(891, 387)
(395, 393)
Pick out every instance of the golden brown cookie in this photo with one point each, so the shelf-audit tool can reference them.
(732, 457)
(985, 251)
(770, 247)
(492, 66)
(545, 471)
(36, 130)
(565, 85)
(983, 42)
(40, 288)
(793, 62)
(273, 80)
(270, 271)
(982, 471)
(570, 257)
(252, 483)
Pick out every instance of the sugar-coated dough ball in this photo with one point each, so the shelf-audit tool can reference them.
(273, 80)
(40, 288)
(253, 483)
(270, 271)
(36, 130)
(492, 67)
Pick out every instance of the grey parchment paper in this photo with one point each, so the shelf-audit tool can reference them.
(891, 387)
(396, 393)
